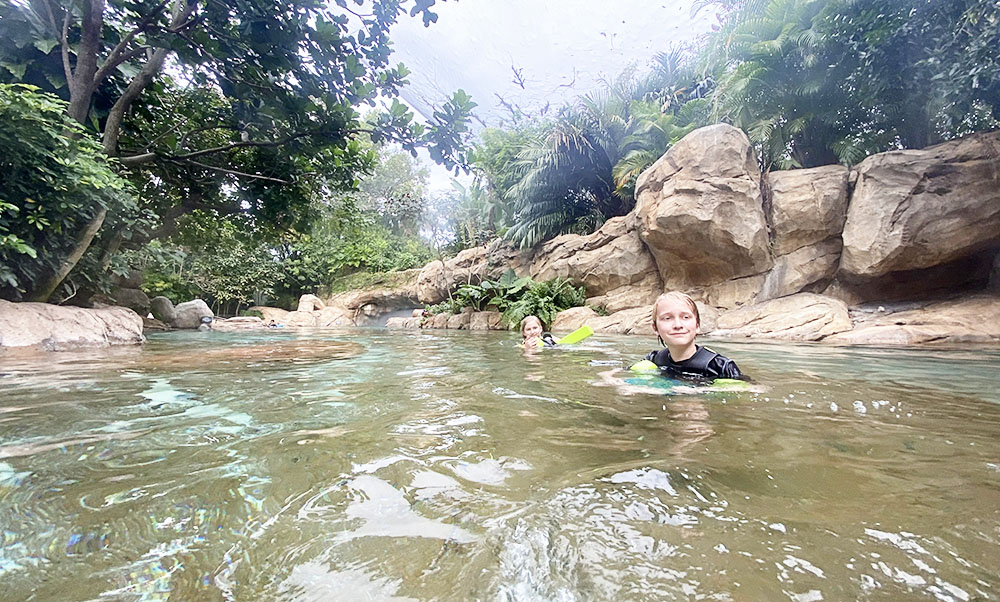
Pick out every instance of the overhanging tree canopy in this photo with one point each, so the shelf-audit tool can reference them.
(284, 81)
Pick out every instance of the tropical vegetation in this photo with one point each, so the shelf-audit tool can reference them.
(249, 111)
(515, 297)
(811, 82)
(232, 151)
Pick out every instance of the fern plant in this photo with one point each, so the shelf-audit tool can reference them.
(545, 300)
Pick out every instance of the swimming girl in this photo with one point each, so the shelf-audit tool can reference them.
(676, 322)
(532, 335)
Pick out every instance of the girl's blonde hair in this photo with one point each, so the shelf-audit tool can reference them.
(527, 319)
(678, 296)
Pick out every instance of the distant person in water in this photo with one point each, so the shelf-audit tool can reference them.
(677, 323)
(532, 334)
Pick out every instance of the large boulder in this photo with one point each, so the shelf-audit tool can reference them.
(808, 206)
(301, 318)
(801, 317)
(400, 322)
(638, 320)
(613, 264)
(473, 265)
(460, 320)
(486, 320)
(438, 277)
(132, 298)
(570, 319)
(190, 313)
(310, 302)
(377, 301)
(809, 266)
(437, 321)
(238, 323)
(333, 315)
(56, 328)
(270, 314)
(700, 210)
(162, 309)
(915, 209)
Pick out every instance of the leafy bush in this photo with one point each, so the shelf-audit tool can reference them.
(54, 179)
(515, 297)
(545, 300)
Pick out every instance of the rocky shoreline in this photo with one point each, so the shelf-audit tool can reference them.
(902, 249)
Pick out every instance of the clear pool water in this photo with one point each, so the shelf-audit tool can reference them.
(368, 464)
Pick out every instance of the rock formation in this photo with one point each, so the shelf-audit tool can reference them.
(55, 328)
(794, 256)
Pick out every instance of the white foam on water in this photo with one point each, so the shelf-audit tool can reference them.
(646, 478)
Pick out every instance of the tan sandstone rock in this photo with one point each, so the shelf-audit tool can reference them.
(300, 318)
(460, 320)
(570, 319)
(190, 313)
(808, 206)
(612, 264)
(973, 320)
(438, 277)
(486, 320)
(56, 328)
(333, 315)
(238, 323)
(310, 303)
(915, 209)
(700, 210)
(808, 265)
(401, 322)
(638, 320)
(801, 317)
(438, 321)
(271, 314)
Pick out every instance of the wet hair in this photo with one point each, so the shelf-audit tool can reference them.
(527, 319)
(678, 296)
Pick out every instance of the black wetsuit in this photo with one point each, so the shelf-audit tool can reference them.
(705, 363)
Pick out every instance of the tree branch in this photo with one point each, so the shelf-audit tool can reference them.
(110, 65)
(182, 10)
(245, 143)
(139, 159)
(63, 39)
(115, 58)
(236, 173)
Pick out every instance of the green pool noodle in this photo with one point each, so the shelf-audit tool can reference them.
(644, 366)
(719, 384)
(576, 336)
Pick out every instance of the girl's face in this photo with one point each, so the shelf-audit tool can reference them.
(675, 322)
(531, 329)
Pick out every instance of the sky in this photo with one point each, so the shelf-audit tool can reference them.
(535, 53)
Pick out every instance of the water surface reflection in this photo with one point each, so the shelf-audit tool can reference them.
(366, 464)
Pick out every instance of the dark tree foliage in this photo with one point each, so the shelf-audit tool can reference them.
(237, 105)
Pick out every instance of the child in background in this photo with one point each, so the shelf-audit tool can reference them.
(533, 335)
(676, 322)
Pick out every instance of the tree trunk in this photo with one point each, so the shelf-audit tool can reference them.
(45, 289)
(82, 86)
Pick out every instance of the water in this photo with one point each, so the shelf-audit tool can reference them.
(377, 465)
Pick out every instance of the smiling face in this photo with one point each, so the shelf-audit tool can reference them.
(531, 328)
(675, 319)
